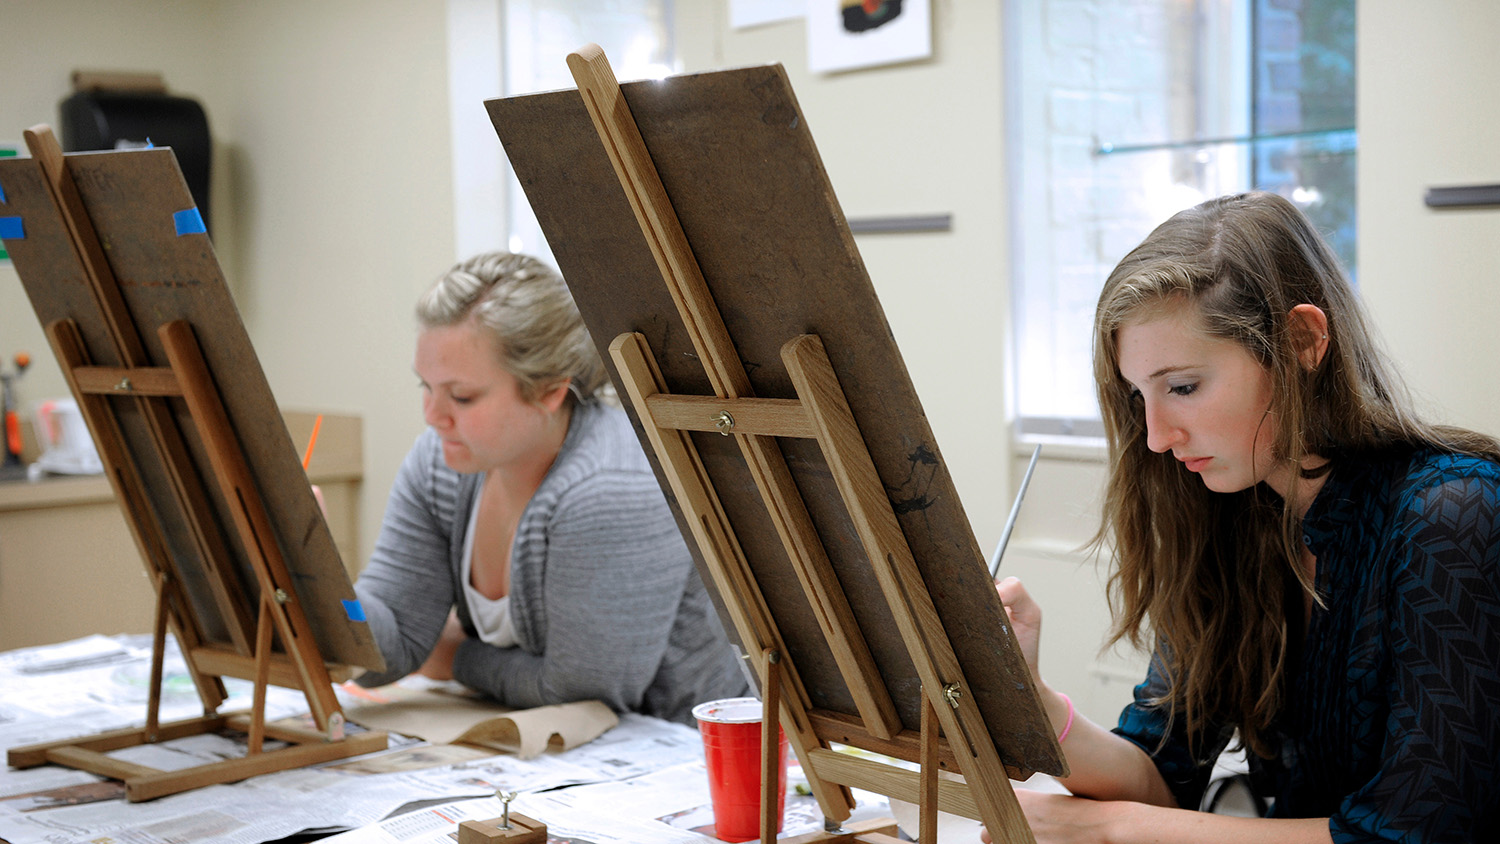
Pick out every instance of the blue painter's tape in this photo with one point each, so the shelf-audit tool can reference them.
(12, 229)
(189, 222)
(354, 610)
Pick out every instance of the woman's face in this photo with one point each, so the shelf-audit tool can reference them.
(1205, 399)
(474, 404)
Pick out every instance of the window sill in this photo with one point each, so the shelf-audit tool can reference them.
(1063, 447)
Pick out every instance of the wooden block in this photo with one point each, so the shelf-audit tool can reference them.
(523, 830)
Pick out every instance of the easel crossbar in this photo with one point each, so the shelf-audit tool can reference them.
(762, 417)
(955, 798)
(127, 381)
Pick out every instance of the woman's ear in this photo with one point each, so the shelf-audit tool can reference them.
(1309, 327)
(555, 395)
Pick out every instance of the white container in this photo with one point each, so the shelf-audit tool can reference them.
(67, 447)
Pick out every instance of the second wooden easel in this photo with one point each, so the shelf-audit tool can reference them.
(821, 413)
(708, 126)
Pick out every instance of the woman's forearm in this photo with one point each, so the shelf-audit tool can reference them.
(1101, 764)
(1061, 818)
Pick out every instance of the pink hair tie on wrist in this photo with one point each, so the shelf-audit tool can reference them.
(1063, 736)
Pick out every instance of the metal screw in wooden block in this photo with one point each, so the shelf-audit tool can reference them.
(505, 798)
(523, 830)
(952, 693)
(724, 423)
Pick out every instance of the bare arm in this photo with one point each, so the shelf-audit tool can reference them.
(1103, 765)
(1061, 819)
(1119, 796)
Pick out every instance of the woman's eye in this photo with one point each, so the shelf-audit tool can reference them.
(462, 399)
(1183, 389)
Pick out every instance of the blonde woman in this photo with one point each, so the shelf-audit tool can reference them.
(527, 550)
(1316, 569)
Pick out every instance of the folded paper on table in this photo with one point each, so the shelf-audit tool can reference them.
(530, 732)
(442, 717)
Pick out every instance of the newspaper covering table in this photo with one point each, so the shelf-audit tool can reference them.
(642, 781)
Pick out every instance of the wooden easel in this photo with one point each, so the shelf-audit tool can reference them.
(162, 427)
(959, 694)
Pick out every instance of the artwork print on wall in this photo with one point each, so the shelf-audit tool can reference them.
(849, 34)
(865, 15)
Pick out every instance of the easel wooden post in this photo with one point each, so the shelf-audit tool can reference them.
(138, 387)
(821, 412)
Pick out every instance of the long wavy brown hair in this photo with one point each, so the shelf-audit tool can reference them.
(1208, 579)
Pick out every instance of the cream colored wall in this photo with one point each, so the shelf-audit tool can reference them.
(42, 44)
(338, 154)
(1429, 78)
(332, 199)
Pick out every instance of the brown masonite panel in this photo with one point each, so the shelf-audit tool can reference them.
(131, 198)
(741, 169)
(55, 281)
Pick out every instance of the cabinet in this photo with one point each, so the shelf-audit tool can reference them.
(69, 566)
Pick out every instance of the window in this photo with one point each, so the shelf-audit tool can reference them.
(635, 34)
(1126, 111)
(508, 47)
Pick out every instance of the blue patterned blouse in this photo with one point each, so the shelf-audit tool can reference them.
(1392, 720)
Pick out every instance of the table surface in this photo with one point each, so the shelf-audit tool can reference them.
(642, 781)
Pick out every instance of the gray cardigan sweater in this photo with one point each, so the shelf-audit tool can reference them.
(606, 601)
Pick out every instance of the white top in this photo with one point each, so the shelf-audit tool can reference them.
(491, 617)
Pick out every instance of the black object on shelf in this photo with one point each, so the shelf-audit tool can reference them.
(106, 119)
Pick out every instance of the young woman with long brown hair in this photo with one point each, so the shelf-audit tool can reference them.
(1314, 568)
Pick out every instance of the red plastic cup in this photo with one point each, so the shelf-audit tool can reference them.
(731, 752)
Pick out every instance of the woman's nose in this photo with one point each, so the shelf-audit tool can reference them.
(1162, 433)
(433, 412)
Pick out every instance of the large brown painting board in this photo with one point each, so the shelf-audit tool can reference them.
(166, 272)
(738, 162)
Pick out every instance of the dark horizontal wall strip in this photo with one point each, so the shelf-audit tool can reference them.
(890, 225)
(1464, 196)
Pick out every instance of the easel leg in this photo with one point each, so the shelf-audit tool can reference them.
(927, 804)
(158, 648)
(262, 676)
(770, 744)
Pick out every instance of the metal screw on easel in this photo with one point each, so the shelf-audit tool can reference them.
(952, 693)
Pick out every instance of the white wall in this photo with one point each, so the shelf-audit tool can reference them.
(332, 200)
(1429, 79)
(42, 44)
(336, 134)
